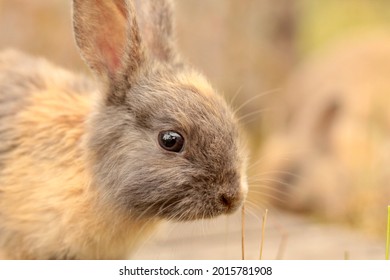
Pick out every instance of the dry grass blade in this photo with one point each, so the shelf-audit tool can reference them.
(388, 233)
(262, 233)
(282, 246)
(243, 232)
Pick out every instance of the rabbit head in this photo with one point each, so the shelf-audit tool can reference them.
(161, 143)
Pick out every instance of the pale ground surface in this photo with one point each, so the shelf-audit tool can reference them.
(287, 236)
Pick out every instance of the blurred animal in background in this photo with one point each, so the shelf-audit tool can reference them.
(331, 153)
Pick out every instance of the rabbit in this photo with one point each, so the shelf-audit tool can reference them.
(90, 167)
(331, 153)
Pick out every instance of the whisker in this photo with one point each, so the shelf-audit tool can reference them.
(284, 199)
(263, 159)
(259, 111)
(143, 214)
(254, 98)
(176, 216)
(258, 206)
(261, 181)
(235, 95)
(252, 213)
(266, 189)
(276, 173)
(285, 159)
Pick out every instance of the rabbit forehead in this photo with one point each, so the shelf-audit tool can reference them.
(180, 100)
(195, 81)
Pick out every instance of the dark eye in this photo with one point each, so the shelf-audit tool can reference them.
(171, 141)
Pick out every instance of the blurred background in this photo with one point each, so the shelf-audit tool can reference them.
(310, 81)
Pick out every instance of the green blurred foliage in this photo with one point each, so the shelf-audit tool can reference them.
(324, 21)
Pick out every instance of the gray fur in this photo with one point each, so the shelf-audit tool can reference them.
(189, 184)
(127, 160)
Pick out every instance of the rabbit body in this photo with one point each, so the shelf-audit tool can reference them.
(83, 171)
(45, 183)
(332, 151)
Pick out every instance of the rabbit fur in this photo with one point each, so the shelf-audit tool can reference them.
(82, 174)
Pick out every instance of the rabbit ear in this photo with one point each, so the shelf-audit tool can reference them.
(108, 37)
(156, 25)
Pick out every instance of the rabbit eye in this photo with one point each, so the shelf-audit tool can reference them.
(171, 141)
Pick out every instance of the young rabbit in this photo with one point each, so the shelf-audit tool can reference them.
(332, 155)
(88, 169)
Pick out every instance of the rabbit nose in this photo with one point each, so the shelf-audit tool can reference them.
(230, 201)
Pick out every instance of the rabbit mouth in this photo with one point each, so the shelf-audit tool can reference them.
(188, 204)
(182, 210)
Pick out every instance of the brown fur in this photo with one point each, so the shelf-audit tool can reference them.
(332, 151)
(82, 175)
